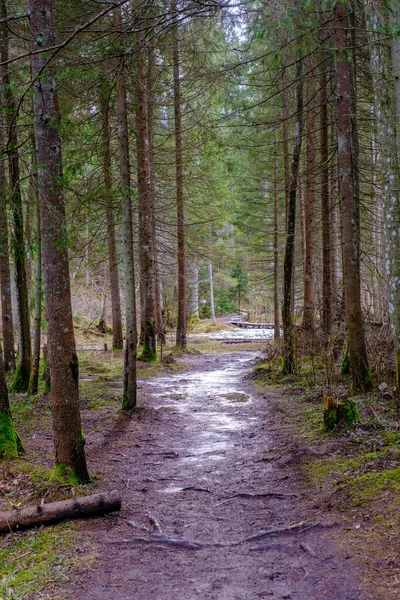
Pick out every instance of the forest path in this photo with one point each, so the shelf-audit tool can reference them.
(206, 470)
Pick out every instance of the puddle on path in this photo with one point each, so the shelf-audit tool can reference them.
(215, 403)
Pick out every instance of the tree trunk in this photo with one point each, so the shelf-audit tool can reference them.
(22, 373)
(118, 343)
(34, 378)
(348, 186)
(287, 317)
(309, 205)
(277, 324)
(325, 214)
(68, 436)
(285, 126)
(5, 276)
(10, 443)
(210, 275)
(129, 394)
(193, 283)
(390, 149)
(149, 352)
(150, 118)
(181, 323)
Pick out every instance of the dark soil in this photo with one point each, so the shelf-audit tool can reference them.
(215, 503)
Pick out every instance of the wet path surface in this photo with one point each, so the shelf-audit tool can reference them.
(212, 509)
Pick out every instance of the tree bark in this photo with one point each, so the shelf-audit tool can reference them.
(146, 210)
(309, 205)
(193, 280)
(37, 329)
(151, 116)
(180, 206)
(287, 316)
(5, 276)
(277, 324)
(325, 214)
(22, 373)
(390, 149)
(44, 514)
(116, 317)
(348, 186)
(129, 393)
(210, 275)
(10, 443)
(68, 436)
(285, 126)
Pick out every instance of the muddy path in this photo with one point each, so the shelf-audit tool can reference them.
(214, 505)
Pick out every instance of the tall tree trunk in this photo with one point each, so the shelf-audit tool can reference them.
(277, 324)
(287, 316)
(391, 200)
(210, 276)
(180, 206)
(68, 436)
(22, 373)
(285, 140)
(193, 281)
(37, 329)
(118, 343)
(149, 352)
(325, 214)
(150, 117)
(5, 276)
(335, 214)
(349, 195)
(309, 205)
(129, 394)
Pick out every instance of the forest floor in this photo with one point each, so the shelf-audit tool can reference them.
(230, 491)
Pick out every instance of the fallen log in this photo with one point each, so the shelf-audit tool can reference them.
(86, 506)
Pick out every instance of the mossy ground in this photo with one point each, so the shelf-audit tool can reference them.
(31, 562)
(352, 470)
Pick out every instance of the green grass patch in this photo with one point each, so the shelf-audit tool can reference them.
(369, 486)
(34, 561)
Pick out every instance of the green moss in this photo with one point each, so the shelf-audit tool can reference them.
(398, 368)
(10, 443)
(368, 383)
(126, 403)
(34, 560)
(21, 379)
(64, 474)
(392, 438)
(345, 370)
(351, 410)
(368, 486)
(345, 413)
(148, 355)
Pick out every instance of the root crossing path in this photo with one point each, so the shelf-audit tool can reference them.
(214, 507)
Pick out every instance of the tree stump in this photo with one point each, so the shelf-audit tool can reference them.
(338, 413)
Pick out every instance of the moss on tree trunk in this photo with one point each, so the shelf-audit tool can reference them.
(10, 442)
(339, 413)
(148, 355)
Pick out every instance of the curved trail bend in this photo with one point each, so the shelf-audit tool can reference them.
(214, 507)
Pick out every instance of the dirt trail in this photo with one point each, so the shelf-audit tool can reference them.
(206, 472)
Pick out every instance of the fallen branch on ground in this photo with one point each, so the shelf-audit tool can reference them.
(165, 541)
(87, 506)
(302, 526)
(161, 541)
(258, 495)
